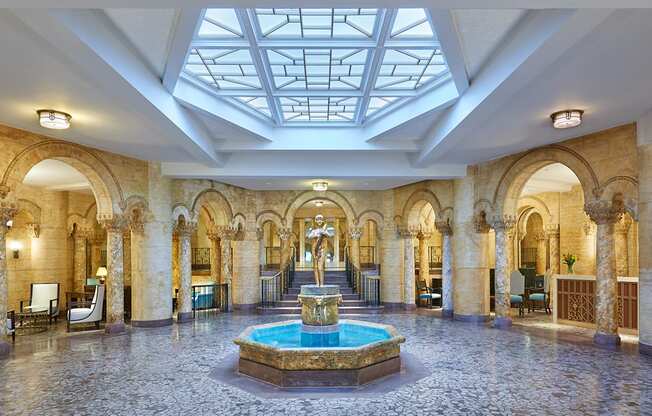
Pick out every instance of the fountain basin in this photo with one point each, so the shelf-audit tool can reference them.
(282, 353)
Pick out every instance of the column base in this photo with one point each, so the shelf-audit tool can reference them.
(5, 349)
(502, 322)
(644, 349)
(152, 324)
(115, 328)
(245, 307)
(447, 313)
(476, 319)
(184, 317)
(606, 339)
(409, 307)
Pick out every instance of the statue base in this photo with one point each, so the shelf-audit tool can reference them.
(319, 305)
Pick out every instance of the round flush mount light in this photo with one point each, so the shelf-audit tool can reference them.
(319, 203)
(319, 186)
(566, 119)
(53, 119)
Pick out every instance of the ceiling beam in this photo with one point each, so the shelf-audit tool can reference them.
(448, 36)
(537, 41)
(95, 47)
(186, 25)
(441, 4)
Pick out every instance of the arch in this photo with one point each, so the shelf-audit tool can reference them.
(104, 183)
(31, 208)
(415, 203)
(533, 204)
(269, 215)
(182, 211)
(524, 217)
(218, 206)
(373, 215)
(307, 196)
(508, 190)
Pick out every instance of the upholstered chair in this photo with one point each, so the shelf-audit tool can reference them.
(43, 297)
(517, 290)
(541, 297)
(84, 312)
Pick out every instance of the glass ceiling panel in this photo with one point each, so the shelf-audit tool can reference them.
(316, 23)
(315, 65)
(325, 109)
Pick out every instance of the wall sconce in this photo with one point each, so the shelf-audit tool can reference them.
(10, 224)
(15, 246)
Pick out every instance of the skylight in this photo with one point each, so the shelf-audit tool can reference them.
(316, 66)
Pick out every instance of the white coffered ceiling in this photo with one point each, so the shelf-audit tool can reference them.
(117, 71)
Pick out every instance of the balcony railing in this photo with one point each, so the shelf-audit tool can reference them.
(210, 297)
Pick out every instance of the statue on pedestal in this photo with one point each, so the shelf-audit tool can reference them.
(320, 235)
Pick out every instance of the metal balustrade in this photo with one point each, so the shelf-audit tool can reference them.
(210, 297)
(273, 286)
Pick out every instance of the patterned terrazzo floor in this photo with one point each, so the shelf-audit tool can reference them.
(470, 370)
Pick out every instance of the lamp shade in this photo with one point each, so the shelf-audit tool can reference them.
(101, 272)
(52, 119)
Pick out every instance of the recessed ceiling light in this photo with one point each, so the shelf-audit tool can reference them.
(566, 119)
(319, 186)
(53, 119)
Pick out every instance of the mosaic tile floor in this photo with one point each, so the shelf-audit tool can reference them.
(469, 370)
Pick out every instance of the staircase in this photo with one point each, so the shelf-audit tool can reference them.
(351, 304)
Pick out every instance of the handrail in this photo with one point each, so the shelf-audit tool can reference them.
(210, 296)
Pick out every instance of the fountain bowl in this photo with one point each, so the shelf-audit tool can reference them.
(284, 354)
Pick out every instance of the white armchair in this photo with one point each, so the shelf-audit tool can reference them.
(43, 297)
(11, 325)
(85, 312)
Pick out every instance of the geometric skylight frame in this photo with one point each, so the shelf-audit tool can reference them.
(316, 66)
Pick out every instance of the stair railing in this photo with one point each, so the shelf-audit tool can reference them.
(271, 287)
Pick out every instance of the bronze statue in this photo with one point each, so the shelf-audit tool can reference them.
(320, 236)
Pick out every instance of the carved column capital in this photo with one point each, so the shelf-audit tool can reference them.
(552, 230)
(82, 233)
(480, 223)
(444, 227)
(284, 233)
(355, 233)
(7, 212)
(503, 223)
(185, 229)
(226, 232)
(408, 232)
(34, 229)
(541, 236)
(425, 235)
(116, 224)
(603, 212)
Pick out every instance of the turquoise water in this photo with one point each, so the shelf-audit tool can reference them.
(291, 336)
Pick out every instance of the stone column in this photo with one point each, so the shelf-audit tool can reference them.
(284, 235)
(552, 232)
(126, 258)
(605, 215)
(354, 234)
(444, 227)
(7, 212)
(176, 271)
(80, 237)
(184, 232)
(226, 235)
(424, 257)
(115, 307)
(621, 229)
(541, 253)
(216, 255)
(644, 142)
(502, 227)
(246, 269)
(408, 236)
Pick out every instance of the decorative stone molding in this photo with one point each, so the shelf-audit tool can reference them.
(480, 223)
(185, 229)
(604, 212)
(226, 232)
(284, 233)
(541, 236)
(552, 230)
(34, 229)
(116, 224)
(425, 235)
(589, 226)
(355, 233)
(7, 212)
(408, 232)
(622, 226)
(444, 227)
(503, 223)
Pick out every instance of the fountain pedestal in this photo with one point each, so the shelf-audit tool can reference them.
(319, 307)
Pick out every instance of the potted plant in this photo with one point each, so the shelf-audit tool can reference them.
(569, 260)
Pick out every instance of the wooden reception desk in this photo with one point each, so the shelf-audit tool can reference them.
(573, 301)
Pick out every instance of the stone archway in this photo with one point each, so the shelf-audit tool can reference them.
(415, 203)
(309, 196)
(217, 205)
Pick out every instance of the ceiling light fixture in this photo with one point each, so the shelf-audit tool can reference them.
(566, 119)
(319, 203)
(53, 119)
(320, 186)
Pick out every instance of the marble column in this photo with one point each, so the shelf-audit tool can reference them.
(605, 215)
(184, 232)
(126, 258)
(409, 290)
(216, 255)
(644, 142)
(176, 275)
(226, 235)
(115, 309)
(542, 255)
(621, 230)
(424, 256)
(552, 232)
(446, 230)
(6, 214)
(284, 235)
(80, 237)
(502, 227)
(354, 235)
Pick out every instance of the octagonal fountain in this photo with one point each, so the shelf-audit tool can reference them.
(319, 350)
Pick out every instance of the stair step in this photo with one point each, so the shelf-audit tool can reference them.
(296, 310)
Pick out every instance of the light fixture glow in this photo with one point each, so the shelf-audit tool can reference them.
(319, 186)
(53, 119)
(15, 246)
(566, 119)
(319, 203)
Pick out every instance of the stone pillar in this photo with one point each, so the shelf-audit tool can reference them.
(176, 271)
(444, 227)
(80, 237)
(302, 243)
(542, 255)
(409, 290)
(354, 234)
(126, 258)
(471, 289)
(216, 255)
(552, 232)
(184, 232)
(226, 235)
(284, 235)
(7, 212)
(605, 215)
(424, 257)
(115, 307)
(390, 270)
(621, 229)
(502, 227)
(246, 270)
(644, 142)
